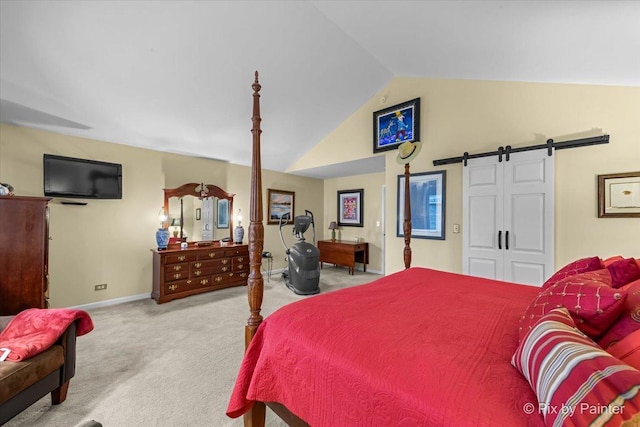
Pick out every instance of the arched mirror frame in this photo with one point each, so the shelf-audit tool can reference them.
(200, 191)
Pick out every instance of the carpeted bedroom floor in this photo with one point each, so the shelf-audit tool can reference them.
(172, 364)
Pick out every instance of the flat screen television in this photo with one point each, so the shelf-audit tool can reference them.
(80, 178)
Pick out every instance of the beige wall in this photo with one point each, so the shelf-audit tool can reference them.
(109, 241)
(478, 116)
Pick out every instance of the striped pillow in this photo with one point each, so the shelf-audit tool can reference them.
(576, 382)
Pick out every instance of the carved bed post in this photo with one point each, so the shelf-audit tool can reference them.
(255, 284)
(406, 226)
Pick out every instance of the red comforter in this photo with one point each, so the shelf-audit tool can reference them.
(416, 348)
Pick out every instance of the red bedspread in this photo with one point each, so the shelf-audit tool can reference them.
(34, 330)
(416, 348)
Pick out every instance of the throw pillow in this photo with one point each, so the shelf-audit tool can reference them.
(576, 267)
(575, 381)
(608, 261)
(589, 298)
(628, 349)
(628, 322)
(623, 271)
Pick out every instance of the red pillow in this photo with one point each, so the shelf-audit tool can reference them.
(623, 271)
(628, 349)
(607, 262)
(592, 302)
(571, 376)
(629, 322)
(580, 266)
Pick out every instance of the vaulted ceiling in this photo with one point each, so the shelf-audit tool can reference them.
(176, 75)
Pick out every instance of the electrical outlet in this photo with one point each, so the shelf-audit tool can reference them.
(101, 287)
(456, 228)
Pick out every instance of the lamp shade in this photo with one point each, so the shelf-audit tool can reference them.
(175, 222)
(333, 225)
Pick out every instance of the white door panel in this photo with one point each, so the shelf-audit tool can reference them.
(482, 211)
(479, 267)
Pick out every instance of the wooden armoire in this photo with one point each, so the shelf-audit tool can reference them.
(24, 253)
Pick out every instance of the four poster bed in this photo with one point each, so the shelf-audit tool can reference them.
(428, 348)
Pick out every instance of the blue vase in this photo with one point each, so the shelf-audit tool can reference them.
(238, 235)
(162, 238)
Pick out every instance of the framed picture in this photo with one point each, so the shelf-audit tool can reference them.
(619, 195)
(350, 205)
(427, 192)
(279, 202)
(395, 125)
(223, 213)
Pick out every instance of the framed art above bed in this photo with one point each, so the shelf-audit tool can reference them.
(619, 195)
(427, 194)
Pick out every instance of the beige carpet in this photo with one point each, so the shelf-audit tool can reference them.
(172, 364)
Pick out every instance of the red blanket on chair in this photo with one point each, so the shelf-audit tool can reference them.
(34, 330)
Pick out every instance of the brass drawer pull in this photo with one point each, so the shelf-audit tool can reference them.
(225, 261)
(218, 279)
(240, 258)
(204, 281)
(181, 258)
(173, 287)
(197, 272)
(177, 275)
(240, 266)
(212, 254)
(198, 264)
(177, 267)
(224, 269)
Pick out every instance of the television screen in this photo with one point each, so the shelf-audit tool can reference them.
(79, 178)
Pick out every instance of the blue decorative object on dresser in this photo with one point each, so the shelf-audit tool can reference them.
(162, 238)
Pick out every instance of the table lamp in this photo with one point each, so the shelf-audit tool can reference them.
(333, 226)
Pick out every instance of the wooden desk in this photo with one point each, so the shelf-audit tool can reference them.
(343, 252)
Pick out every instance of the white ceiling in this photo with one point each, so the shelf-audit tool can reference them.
(176, 75)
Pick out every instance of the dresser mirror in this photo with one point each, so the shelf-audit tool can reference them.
(198, 212)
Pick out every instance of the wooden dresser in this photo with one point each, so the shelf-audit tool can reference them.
(178, 273)
(24, 253)
(344, 252)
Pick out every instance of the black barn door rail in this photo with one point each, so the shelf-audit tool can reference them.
(506, 151)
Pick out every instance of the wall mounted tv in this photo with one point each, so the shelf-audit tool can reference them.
(80, 178)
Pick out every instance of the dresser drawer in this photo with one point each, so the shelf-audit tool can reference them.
(176, 272)
(232, 252)
(210, 263)
(186, 285)
(240, 265)
(179, 257)
(204, 271)
(210, 254)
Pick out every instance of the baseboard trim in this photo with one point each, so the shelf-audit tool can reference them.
(122, 300)
(114, 301)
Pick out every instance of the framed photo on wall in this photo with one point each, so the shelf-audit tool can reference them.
(279, 202)
(223, 213)
(350, 207)
(395, 125)
(619, 195)
(427, 192)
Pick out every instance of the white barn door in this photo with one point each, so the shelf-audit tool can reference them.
(508, 217)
